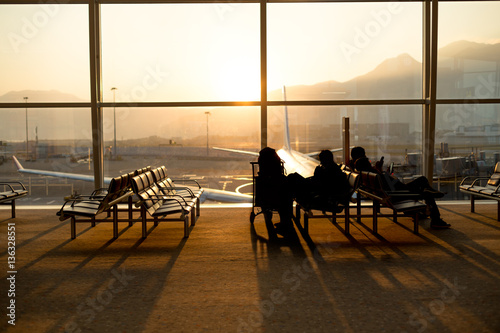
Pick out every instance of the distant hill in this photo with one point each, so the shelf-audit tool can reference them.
(399, 77)
(38, 96)
(471, 50)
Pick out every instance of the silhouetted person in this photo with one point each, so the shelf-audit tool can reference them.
(420, 185)
(273, 190)
(326, 187)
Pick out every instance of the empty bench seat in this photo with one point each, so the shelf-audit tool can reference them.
(12, 190)
(87, 208)
(160, 204)
(483, 187)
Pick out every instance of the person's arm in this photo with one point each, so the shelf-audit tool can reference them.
(379, 165)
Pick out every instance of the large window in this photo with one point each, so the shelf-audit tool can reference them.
(469, 53)
(103, 92)
(345, 51)
(44, 53)
(181, 52)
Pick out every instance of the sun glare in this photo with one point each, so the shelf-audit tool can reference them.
(238, 81)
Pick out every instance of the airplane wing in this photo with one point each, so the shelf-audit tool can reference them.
(208, 194)
(75, 176)
(224, 196)
(252, 153)
(315, 154)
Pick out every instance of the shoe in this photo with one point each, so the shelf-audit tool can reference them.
(439, 224)
(435, 193)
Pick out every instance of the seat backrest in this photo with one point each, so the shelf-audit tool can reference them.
(495, 177)
(142, 170)
(157, 175)
(144, 186)
(169, 183)
(117, 188)
(372, 182)
(354, 180)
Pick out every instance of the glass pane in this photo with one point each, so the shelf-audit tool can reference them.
(56, 140)
(469, 132)
(181, 52)
(467, 143)
(345, 51)
(185, 141)
(469, 50)
(315, 128)
(45, 53)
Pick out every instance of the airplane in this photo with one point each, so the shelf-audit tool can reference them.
(294, 161)
(208, 194)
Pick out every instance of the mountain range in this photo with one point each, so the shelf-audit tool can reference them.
(395, 78)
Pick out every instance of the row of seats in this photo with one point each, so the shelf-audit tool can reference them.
(164, 201)
(144, 190)
(366, 186)
(483, 187)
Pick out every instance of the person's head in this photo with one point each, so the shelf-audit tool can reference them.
(326, 157)
(363, 164)
(269, 161)
(357, 153)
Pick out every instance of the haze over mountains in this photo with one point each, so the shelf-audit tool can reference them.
(395, 78)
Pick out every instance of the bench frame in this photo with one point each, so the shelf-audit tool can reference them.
(402, 203)
(9, 197)
(160, 205)
(488, 191)
(329, 212)
(85, 209)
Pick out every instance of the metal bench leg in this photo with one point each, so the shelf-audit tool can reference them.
(198, 207)
(73, 227)
(358, 209)
(347, 220)
(115, 221)
(144, 226)
(130, 212)
(186, 225)
(472, 208)
(375, 216)
(193, 216)
(13, 208)
(498, 211)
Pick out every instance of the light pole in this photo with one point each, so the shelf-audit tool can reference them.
(26, 100)
(113, 89)
(208, 114)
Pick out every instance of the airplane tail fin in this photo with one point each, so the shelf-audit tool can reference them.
(286, 139)
(17, 163)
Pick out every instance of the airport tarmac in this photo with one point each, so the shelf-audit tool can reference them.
(234, 276)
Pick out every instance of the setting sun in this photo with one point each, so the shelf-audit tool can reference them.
(238, 80)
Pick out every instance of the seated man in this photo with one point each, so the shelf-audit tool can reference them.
(419, 185)
(327, 185)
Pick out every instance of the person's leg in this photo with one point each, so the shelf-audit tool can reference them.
(421, 185)
(436, 220)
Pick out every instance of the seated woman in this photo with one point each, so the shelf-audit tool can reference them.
(272, 190)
